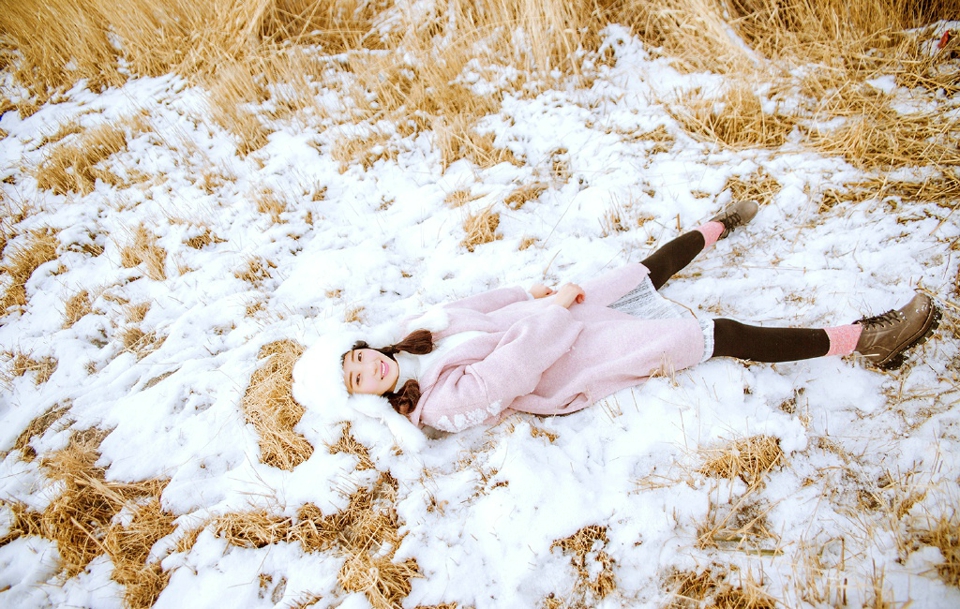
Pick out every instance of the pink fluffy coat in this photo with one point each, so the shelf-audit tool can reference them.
(538, 357)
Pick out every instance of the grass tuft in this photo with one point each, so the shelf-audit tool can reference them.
(37, 427)
(269, 406)
(256, 271)
(942, 531)
(74, 166)
(22, 363)
(749, 459)
(737, 120)
(691, 590)
(143, 249)
(82, 519)
(348, 444)
(520, 196)
(140, 343)
(594, 567)
(481, 228)
(76, 307)
(22, 261)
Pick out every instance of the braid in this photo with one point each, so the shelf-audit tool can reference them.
(418, 342)
(405, 400)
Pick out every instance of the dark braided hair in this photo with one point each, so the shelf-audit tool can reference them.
(418, 342)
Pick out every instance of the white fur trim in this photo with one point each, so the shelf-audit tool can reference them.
(408, 437)
(318, 384)
(318, 374)
(436, 319)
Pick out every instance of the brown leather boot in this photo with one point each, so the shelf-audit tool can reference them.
(736, 215)
(886, 337)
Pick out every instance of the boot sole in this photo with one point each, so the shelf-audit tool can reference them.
(900, 357)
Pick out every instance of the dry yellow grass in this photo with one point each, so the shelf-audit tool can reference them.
(135, 340)
(76, 307)
(129, 549)
(143, 249)
(25, 522)
(22, 261)
(459, 198)
(22, 363)
(232, 94)
(81, 520)
(348, 444)
(257, 271)
(749, 459)
(254, 529)
(520, 196)
(363, 150)
(37, 427)
(366, 532)
(134, 313)
(73, 166)
(480, 228)
(270, 204)
(204, 237)
(941, 531)
(74, 45)
(594, 567)
(758, 186)
(737, 119)
(269, 406)
(691, 590)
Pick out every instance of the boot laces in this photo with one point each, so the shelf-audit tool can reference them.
(731, 221)
(882, 321)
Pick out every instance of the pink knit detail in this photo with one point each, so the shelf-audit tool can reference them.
(711, 231)
(843, 339)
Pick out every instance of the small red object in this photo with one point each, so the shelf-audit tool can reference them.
(944, 39)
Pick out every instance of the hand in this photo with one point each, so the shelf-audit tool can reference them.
(540, 291)
(569, 294)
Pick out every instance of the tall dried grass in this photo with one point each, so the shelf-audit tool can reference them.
(143, 248)
(22, 261)
(72, 166)
(942, 531)
(22, 363)
(269, 406)
(480, 228)
(36, 428)
(366, 532)
(76, 307)
(737, 119)
(82, 519)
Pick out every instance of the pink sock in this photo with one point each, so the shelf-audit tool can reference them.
(711, 231)
(843, 339)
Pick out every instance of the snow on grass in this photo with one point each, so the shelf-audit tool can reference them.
(178, 261)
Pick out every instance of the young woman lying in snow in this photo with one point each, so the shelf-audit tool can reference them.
(552, 353)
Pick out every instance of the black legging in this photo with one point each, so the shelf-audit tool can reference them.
(672, 257)
(732, 338)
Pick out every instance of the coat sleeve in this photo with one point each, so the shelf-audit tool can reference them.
(471, 394)
(492, 300)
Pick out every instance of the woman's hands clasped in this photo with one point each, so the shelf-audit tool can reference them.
(566, 296)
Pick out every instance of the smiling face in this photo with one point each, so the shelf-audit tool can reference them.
(369, 371)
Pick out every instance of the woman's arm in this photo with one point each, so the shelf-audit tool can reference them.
(472, 394)
(492, 300)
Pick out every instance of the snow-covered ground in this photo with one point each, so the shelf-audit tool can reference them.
(481, 510)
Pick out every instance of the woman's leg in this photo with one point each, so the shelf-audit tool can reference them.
(675, 255)
(882, 340)
(734, 339)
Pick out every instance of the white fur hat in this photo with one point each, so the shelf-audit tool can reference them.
(318, 384)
